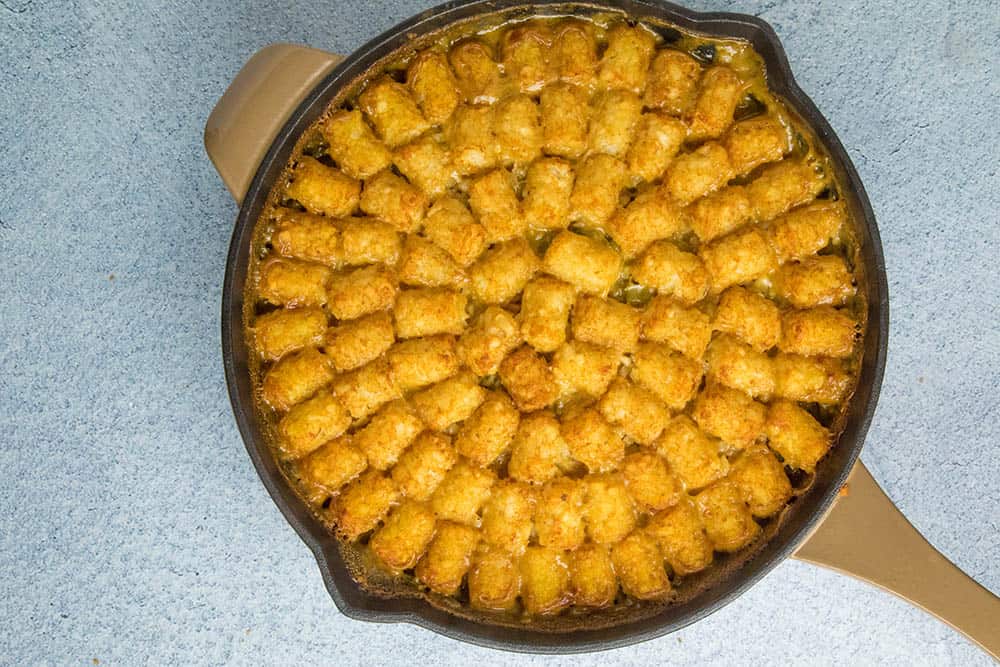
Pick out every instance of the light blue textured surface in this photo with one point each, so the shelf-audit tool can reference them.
(133, 526)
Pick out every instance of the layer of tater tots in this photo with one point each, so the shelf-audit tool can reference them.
(448, 371)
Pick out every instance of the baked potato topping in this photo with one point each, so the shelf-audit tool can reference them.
(553, 314)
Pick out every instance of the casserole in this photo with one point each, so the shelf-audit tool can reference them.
(248, 128)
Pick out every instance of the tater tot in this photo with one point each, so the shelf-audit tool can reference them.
(730, 415)
(606, 322)
(544, 581)
(518, 130)
(390, 198)
(462, 493)
(762, 480)
(548, 185)
(822, 331)
(324, 190)
(599, 182)
(489, 432)
(680, 534)
(607, 509)
(810, 379)
(353, 344)
(657, 140)
(627, 57)
(671, 376)
(279, 332)
(494, 581)
(815, 281)
(295, 377)
(692, 455)
(649, 217)
(404, 536)
(672, 82)
(591, 265)
(712, 114)
(796, 436)
(392, 110)
(735, 364)
(649, 483)
(728, 521)
(424, 264)
(491, 337)
(353, 145)
(574, 52)
(749, 316)
(333, 465)
(477, 72)
(508, 516)
(565, 114)
(528, 379)
(639, 564)
(451, 226)
(364, 503)
(671, 271)
(545, 309)
(592, 576)
(470, 135)
(429, 311)
(310, 424)
(293, 283)
(720, 213)
(448, 557)
(559, 514)
(391, 430)
(807, 230)
(539, 451)
(364, 390)
(687, 330)
(580, 367)
(433, 86)
(633, 410)
(422, 467)
(368, 241)
(306, 236)
(361, 292)
(524, 53)
(503, 271)
(613, 122)
(449, 401)
(751, 143)
(591, 440)
(419, 362)
(783, 186)
(741, 257)
(698, 173)
(427, 164)
(493, 199)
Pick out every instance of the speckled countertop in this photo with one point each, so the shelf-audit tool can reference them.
(133, 527)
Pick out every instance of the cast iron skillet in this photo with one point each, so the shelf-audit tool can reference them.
(250, 137)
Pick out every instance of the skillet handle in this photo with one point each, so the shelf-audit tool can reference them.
(867, 537)
(256, 105)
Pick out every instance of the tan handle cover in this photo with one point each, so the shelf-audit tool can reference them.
(256, 106)
(867, 537)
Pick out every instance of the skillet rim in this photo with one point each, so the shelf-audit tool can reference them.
(349, 598)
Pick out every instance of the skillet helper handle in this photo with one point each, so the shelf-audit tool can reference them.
(256, 106)
(867, 537)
